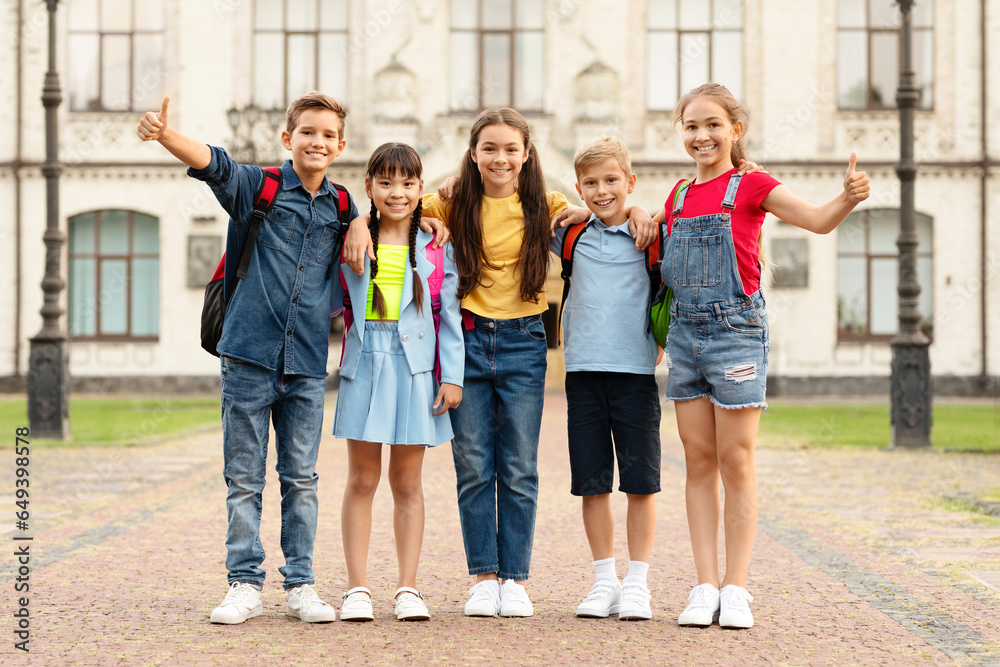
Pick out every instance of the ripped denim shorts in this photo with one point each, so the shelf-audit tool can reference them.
(719, 350)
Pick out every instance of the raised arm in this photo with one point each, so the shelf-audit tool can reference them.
(155, 127)
(820, 219)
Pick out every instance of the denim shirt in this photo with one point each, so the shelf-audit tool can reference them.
(607, 313)
(281, 311)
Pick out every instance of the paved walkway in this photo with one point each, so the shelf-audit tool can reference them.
(860, 559)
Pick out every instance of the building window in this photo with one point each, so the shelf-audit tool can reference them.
(868, 273)
(690, 42)
(117, 54)
(869, 53)
(114, 275)
(497, 54)
(299, 46)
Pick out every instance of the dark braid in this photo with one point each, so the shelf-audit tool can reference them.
(418, 287)
(378, 301)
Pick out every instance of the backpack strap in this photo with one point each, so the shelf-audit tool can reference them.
(653, 261)
(344, 209)
(679, 196)
(572, 237)
(348, 311)
(270, 185)
(436, 257)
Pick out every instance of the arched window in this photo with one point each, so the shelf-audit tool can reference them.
(868, 274)
(114, 276)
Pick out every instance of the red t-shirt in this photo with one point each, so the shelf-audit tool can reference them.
(706, 199)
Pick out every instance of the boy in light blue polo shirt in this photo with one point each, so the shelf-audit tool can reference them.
(613, 402)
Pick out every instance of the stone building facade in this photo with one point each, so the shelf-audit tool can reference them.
(818, 77)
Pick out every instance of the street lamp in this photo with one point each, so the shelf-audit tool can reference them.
(249, 143)
(910, 391)
(48, 367)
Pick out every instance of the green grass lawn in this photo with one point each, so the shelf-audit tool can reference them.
(121, 421)
(973, 427)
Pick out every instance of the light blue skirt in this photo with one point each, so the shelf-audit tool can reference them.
(385, 402)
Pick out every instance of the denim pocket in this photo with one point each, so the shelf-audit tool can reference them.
(535, 329)
(324, 251)
(747, 322)
(697, 261)
(276, 229)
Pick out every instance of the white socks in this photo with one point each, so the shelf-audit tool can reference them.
(636, 573)
(605, 568)
(637, 570)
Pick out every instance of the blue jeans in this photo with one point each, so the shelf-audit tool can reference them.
(496, 443)
(251, 397)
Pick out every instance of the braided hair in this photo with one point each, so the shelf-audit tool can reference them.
(378, 301)
(389, 159)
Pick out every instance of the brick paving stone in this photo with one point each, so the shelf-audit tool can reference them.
(859, 559)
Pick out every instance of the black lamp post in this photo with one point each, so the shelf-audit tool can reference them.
(243, 123)
(911, 366)
(48, 368)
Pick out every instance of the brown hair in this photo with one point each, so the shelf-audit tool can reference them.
(313, 100)
(736, 112)
(599, 150)
(389, 160)
(465, 219)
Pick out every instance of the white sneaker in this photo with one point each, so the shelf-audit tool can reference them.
(241, 602)
(357, 605)
(603, 600)
(302, 602)
(410, 605)
(485, 599)
(514, 600)
(635, 603)
(735, 612)
(703, 606)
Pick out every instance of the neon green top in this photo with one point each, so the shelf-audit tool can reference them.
(391, 268)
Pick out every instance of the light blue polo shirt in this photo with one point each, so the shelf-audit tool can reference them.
(607, 311)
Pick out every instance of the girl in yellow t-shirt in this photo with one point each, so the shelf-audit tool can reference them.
(499, 223)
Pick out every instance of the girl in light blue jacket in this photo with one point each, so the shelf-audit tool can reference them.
(388, 389)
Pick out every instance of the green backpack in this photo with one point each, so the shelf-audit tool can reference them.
(659, 311)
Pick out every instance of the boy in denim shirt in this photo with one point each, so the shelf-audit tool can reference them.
(610, 389)
(274, 344)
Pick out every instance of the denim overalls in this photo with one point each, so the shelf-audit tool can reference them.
(717, 344)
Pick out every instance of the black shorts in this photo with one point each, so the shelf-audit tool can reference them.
(623, 405)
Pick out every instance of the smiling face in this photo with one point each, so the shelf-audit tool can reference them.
(499, 154)
(315, 142)
(708, 136)
(395, 196)
(604, 188)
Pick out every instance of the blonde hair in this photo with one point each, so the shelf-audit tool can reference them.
(599, 150)
(313, 100)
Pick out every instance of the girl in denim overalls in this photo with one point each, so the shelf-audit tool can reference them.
(717, 347)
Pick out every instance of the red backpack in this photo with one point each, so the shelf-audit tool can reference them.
(219, 290)
(436, 257)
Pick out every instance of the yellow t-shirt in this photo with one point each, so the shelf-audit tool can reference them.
(499, 294)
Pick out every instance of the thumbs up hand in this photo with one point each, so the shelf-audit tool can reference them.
(857, 187)
(153, 125)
